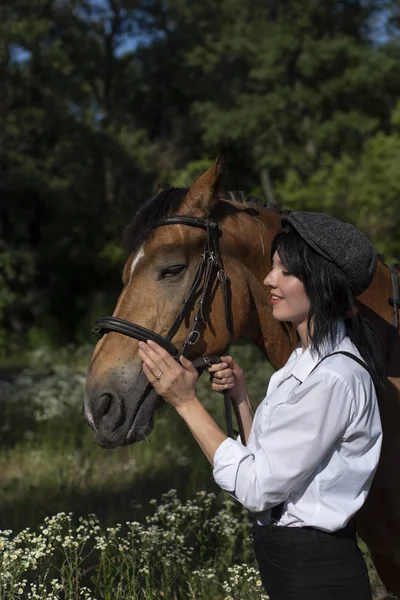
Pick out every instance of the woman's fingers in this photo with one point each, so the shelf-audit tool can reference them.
(156, 358)
(221, 387)
(175, 382)
(228, 360)
(223, 376)
(222, 383)
(149, 374)
(217, 367)
(155, 368)
(222, 380)
(159, 353)
(221, 369)
(187, 365)
(221, 372)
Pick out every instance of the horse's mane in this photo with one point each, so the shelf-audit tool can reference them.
(252, 201)
(167, 202)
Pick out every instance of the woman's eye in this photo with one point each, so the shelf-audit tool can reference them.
(171, 271)
(286, 273)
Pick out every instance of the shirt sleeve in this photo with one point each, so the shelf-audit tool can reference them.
(303, 429)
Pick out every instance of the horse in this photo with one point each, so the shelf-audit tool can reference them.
(119, 404)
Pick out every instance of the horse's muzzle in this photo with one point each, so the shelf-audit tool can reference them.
(119, 415)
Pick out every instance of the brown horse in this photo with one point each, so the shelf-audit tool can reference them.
(120, 407)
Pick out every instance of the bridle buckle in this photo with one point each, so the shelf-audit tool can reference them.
(222, 276)
(195, 335)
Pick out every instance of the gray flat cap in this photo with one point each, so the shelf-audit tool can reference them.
(341, 243)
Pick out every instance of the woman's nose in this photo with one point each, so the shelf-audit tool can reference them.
(268, 281)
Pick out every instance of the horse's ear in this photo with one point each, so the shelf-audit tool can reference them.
(205, 192)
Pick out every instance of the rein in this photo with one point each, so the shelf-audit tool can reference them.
(209, 275)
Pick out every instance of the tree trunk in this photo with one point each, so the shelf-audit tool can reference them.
(267, 186)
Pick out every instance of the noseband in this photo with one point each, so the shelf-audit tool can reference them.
(210, 274)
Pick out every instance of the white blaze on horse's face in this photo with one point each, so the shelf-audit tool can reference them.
(135, 261)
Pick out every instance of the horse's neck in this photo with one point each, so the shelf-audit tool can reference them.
(273, 338)
(375, 306)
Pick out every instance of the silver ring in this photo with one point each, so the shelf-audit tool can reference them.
(158, 377)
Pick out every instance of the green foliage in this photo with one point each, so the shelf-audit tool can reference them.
(185, 177)
(300, 79)
(102, 99)
(364, 190)
(17, 273)
(71, 154)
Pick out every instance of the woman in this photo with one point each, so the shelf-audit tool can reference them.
(311, 449)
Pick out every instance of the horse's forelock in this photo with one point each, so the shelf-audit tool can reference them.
(159, 206)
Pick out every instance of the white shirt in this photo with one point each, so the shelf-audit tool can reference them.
(314, 443)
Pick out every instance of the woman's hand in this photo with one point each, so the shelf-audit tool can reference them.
(174, 382)
(227, 375)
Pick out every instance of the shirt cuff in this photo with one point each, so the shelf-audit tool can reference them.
(227, 459)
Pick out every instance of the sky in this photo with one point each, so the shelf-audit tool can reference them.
(130, 42)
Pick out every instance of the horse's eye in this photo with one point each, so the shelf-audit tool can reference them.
(171, 271)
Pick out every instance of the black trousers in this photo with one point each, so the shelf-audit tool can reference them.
(299, 563)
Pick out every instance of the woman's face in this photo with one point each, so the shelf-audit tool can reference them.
(287, 294)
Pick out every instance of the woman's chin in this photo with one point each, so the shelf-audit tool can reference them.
(279, 314)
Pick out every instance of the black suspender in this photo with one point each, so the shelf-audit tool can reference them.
(349, 354)
(276, 512)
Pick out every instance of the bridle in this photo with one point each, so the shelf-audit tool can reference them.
(209, 275)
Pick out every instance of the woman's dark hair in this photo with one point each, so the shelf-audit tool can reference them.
(331, 298)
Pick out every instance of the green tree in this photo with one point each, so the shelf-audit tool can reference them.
(364, 190)
(289, 81)
(72, 157)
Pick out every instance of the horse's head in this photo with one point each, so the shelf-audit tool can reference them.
(119, 404)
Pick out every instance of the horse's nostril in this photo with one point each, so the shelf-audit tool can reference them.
(104, 404)
(109, 411)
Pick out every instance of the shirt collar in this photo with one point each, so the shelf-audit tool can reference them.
(308, 360)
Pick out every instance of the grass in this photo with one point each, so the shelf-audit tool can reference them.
(52, 472)
(49, 462)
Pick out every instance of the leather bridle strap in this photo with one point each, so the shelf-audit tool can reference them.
(395, 299)
(209, 269)
(107, 324)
